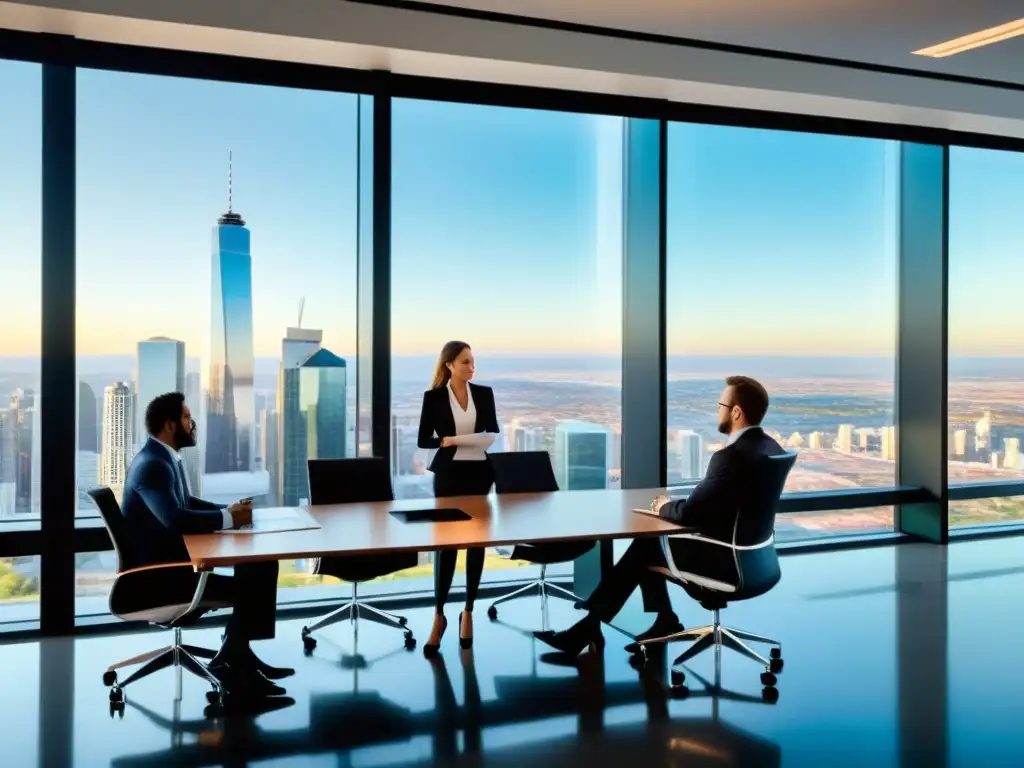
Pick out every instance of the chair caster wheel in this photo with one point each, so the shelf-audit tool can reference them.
(109, 678)
(402, 621)
(213, 697)
(637, 660)
(410, 642)
(308, 643)
(770, 694)
(768, 679)
(581, 605)
(776, 653)
(116, 696)
(776, 666)
(677, 678)
(492, 613)
(634, 648)
(117, 707)
(680, 692)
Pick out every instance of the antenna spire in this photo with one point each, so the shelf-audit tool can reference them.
(302, 306)
(229, 180)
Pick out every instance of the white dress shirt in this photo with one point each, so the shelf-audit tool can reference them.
(470, 445)
(178, 459)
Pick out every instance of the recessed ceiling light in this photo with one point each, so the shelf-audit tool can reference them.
(975, 40)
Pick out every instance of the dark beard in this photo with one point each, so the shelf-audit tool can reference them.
(725, 427)
(183, 439)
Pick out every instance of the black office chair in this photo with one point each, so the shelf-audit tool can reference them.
(353, 481)
(131, 579)
(531, 472)
(757, 570)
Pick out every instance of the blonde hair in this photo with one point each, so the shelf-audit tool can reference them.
(449, 354)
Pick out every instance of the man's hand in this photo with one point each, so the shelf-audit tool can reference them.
(659, 501)
(241, 513)
(447, 442)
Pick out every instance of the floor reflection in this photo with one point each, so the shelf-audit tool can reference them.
(877, 643)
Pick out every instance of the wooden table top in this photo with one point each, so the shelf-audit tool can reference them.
(362, 529)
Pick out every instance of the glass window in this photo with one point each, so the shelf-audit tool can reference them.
(19, 590)
(782, 266)
(216, 257)
(986, 333)
(1006, 509)
(507, 234)
(21, 261)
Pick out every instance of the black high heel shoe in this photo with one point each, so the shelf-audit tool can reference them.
(464, 642)
(430, 650)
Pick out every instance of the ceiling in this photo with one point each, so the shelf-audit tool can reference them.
(871, 31)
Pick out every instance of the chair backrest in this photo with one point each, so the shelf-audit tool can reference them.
(349, 481)
(523, 472)
(759, 568)
(113, 520)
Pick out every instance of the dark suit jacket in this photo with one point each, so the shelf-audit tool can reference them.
(157, 514)
(729, 486)
(436, 418)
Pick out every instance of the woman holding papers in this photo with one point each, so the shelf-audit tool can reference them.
(459, 420)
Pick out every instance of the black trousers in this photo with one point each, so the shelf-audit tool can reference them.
(633, 570)
(251, 591)
(460, 478)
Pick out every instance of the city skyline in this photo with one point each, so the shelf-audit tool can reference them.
(501, 167)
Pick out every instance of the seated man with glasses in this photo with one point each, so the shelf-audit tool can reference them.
(159, 510)
(741, 408)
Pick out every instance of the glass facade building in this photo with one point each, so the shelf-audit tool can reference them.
(230, 415)
(160, 368)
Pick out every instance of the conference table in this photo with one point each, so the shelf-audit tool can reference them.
(496, 520)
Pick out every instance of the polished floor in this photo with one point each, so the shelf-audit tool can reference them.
(902, 656)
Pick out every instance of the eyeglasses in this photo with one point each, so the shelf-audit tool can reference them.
(725, 405)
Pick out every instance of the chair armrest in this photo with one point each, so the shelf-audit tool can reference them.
(155, 566)
(669, 560)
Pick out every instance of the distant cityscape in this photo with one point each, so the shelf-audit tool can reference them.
(261, 419)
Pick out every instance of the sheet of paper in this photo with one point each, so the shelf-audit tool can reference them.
(275, 520)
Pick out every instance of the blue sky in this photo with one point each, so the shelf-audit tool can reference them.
(506, 226)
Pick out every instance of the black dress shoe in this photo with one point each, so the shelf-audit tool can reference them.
(268, 671)
(573, 641)
(238, 682)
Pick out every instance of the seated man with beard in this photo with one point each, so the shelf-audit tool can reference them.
(709, 510)
(159, 510)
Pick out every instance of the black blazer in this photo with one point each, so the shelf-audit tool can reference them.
(437, 418)
(730, 485)
(156, 512)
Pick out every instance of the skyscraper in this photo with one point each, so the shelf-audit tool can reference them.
(1011, 453)
(520, 438)
(582, 456)
(118, 434)
(159, 368)
(88, 439)
(323, 382)
(269, 449)
(844, 441)
(889, 443)
(8, 462)
(297, 345)
(230, 411)
(193, 457)
(691, 454)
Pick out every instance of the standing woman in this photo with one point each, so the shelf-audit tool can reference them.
(458, 419)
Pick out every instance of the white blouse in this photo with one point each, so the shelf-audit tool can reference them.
(470, 446)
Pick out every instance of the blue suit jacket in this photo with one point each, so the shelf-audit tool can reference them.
(158, 513)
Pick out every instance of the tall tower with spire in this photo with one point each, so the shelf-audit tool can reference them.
(230, 409)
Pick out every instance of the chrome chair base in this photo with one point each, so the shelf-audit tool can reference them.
(716, 636)
(541, 588)
(178, 655)
(354, 610)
